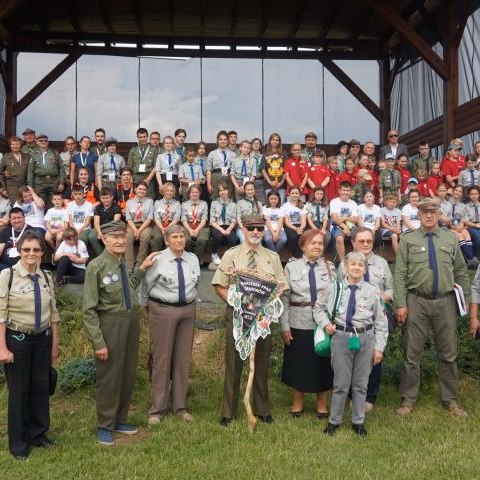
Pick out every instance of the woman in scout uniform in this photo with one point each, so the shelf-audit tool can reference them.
(139, 215)
(109, 165)
(308, 280)
(125, 189)
(166, 212)
(223, 219)
(243, 169)
(248, 205)
(201, 159)
(219, 162)
(13, 169)
(359, 336)
(167, 164)
(194, 218)
(28, 345)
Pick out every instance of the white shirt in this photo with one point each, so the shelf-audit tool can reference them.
(79, 249)
(343, 209)
(33, 214)
(56, 217)
(369, 215)
(273, 214)
(79, 213)
(411, 213)
(292, 213)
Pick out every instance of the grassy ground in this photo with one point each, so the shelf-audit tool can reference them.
(429, 444)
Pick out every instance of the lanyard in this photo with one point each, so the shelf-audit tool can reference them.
(16, 239)
(144, 155)
(82, 161)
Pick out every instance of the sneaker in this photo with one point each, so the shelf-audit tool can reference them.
(368, 407)
(215, 259)
(404, 409)
(125, 428)
(105, 437)
(456, 411)
(187, 416)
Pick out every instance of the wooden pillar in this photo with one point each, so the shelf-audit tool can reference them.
(385, 87)
(11, 93)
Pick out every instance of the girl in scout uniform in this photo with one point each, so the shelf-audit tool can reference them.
(317, 213)
(243, 169)
(257, 157)
(139, 215)
(166, 212)
(218, 165)
(194, 218)
(359, 336)
(168, 163)
(249, 205)
(189, 173)
(201, 159)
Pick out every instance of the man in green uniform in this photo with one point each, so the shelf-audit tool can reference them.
(112, 324)
(252, 255)
(30, 144)
(45, 171)
(429, 263)
(142, 159)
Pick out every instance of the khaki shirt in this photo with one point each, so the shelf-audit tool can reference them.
(216, 212)
(186, 172)
(412, 271)
(246, 207)
(136, 159)
(105, 170)
(159, 209)
(17, 307)
(163, 166)
(237, 166)
(29, 149)
(215, 159)
(45, 164)
(296, 275)
(131, 210)
(187, 211)
(268, 262)
(161, 280)
(103, 293)
(13, 171)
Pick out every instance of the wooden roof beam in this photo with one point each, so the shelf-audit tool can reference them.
(267, 10)
(408, 34)
(7, 7)
(72, 17)
(105, 18)
(38, 14)
(302, 6)
(44, 83)
(233, 24)
(330, 18)
(351, 86)
(138, 18)
(462, 21)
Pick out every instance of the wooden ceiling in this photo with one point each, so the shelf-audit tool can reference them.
(356, 29)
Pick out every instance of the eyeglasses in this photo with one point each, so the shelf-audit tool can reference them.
(251, 228)
(29, 250)
(366, 241)
(42, 140)
(393, 135)
(355, 146)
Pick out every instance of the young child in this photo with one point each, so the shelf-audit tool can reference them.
(410, 218)
(189, 173)
(389, 180)
(243, 169)
(317, 214)
(369, 216)
(469, 176)
(472, 218)
(332, 187)
(80, 213)
(5, 207)
(391, 220)
(402, 167)
(71, 257)
(363, 185)
(359, 335)
(56, 220)
(167, 164)
(318, 172)
(33, 208)
(296, 171)
(348, 175)
(422, 178)
(412, 185)
(434, 180)
(274, 237)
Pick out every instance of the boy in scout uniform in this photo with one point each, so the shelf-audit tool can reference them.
(252, 255)
(112, 324)
(45, 171)
(428, 264)
(141, 159)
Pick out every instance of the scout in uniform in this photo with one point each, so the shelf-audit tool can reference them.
(141, 160)
(113, 327)
(190, 173)
(13, 169)
(166, 212)
(254, 256)
(243, 169)
(219, 162)
(45, 171)
(109, 165)
(429, 262)
(167, 164)
(30, 144)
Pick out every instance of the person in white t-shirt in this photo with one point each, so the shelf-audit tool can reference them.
(71, 257)
(410, 218)
(369, 216)
(33, 208)
(344, 218)
(391, 220)
(56, 220)
(274, 237)
(80, 213)
(294, 220)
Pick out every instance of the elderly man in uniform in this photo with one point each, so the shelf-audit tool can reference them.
(429, 262)
(112, 324)
(252, 255)
(30, 144)
(45, 170)
(379, 275)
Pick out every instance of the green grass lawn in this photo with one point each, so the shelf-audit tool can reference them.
(429, 444)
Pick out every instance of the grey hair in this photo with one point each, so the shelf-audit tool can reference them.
(173, 229)
(354, 256)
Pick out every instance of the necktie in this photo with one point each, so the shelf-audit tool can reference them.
(432, 262)
(224, 155)
(244, 168)
(138, 213)
(169, 161)
(38, 301)
(453, 212)
(312, 281)
(252, 262)
(181, 281)
(476, 213)
(191, 172)
(318, 215)
(194, 216)
(224, 214)
(166, 218)
(113, 166)
(126, 286)
(201, 165)
(472, 178)
(366, 276)
(352, 304)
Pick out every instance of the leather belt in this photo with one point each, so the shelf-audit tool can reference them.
(429, 296)
(15, 327)
(302, 304)
(161, 302)
(344, 328)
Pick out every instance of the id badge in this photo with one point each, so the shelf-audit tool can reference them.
(111, 176)
(13, 253)
(142, 168)
(224, 171)
(169, 176)
(354, 343)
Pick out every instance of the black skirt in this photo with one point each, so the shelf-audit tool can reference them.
(303, 369)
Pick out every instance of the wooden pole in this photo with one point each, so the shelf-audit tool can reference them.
(251, 419)
(10, 93)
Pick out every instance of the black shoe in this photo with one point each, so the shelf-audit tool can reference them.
(22, 456)
(359, 429)
(331, 429)
(225, 421)
(265, 418)
(45, 443)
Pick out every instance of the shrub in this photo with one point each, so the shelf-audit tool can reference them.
(76, 374)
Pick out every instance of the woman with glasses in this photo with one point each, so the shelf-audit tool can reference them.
(13, 169)
(28, 345)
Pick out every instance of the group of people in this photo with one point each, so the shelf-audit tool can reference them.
(352, 301)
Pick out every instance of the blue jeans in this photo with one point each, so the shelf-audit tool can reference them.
(475, 234)
(279, 244)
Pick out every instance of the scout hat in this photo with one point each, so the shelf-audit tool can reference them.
(114, 227)
(252, 220)
(429, 204)
(27, 131)
(363, 173)
(41, 135)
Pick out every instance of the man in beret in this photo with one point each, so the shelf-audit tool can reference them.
(253, 256)
(429, 262)
(112, 324)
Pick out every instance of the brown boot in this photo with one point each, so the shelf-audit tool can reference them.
(406, 408)
(456, 411)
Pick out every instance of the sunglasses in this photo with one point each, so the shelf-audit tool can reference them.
(251, 228)
(28, 250)
(393, 135)
(367, 242)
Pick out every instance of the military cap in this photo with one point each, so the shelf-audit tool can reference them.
(429, 204)
(28, 130)
(114, 227)
(41, 135)
(311, 135)
(253, 220)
